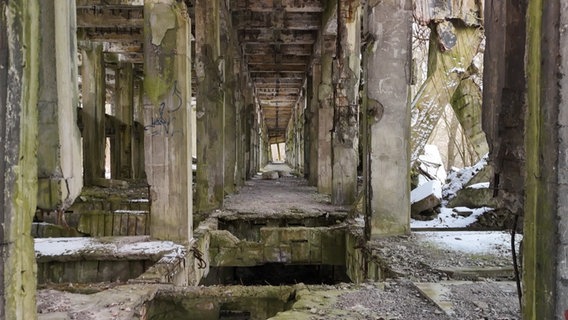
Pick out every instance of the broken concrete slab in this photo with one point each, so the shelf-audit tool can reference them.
(270, 175)
(426, 197)
(473, 198)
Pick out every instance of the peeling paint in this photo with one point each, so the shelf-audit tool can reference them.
(162, 19)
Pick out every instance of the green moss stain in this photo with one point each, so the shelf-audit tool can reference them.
(20, 267)
(160, 34)
(539, 205)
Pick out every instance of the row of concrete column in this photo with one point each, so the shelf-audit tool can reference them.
(230, 144)
(150, 129)
(119, 127)
(342, 115)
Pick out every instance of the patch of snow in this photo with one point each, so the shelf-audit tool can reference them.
(474, 242)
(68, 246)
(448, 218)
(458, 179)
(62, 246)
(431, 187)
(149, 247)
(481, 185)
(457, 70)
(431, 162)
(139, 200)
(131, 211)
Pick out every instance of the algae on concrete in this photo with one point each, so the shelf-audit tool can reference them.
(18, 147)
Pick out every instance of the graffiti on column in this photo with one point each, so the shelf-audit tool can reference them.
(161, 125)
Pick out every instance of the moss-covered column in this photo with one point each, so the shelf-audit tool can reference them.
(387, 203)
(167, 108)
(325, 115)
(210, 70)
(545, 242)
(19, 69)
(124, 99)
(93, 113)
(60, 170)
(345, 132)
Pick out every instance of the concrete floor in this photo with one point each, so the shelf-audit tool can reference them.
(418, 285)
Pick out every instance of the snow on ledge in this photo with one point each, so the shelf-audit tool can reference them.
(97, 247)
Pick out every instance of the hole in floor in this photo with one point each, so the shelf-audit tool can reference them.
(276, 274)
(227, 303)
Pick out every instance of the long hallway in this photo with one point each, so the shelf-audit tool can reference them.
(269, 195)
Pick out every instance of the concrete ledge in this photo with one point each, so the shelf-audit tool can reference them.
(109, 248)
(87, 260)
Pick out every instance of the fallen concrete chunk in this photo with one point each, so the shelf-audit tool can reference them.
(270, 175)
(425, 197)
(473, 198)
(111, 183)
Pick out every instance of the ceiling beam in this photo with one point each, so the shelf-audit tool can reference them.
(288, 5)
(111, 35)
(109, 19)
(273, 36)
(108, 3)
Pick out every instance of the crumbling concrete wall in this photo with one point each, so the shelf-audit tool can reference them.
(19, 70)
(346, 77)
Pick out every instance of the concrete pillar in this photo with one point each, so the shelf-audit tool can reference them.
(300, 134)
(345, 135)
(325, 115)
(93, 97)
(138, 171)
(313, 124)
(240, 173)
(124, 106)
(167, 109)
(307, 123)
(545, 242)
(255, 139)
(229, 126)
(388, 119)
(504, 90)
(247, 119)
(19, 68)
(60, 176)
(210, 70)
